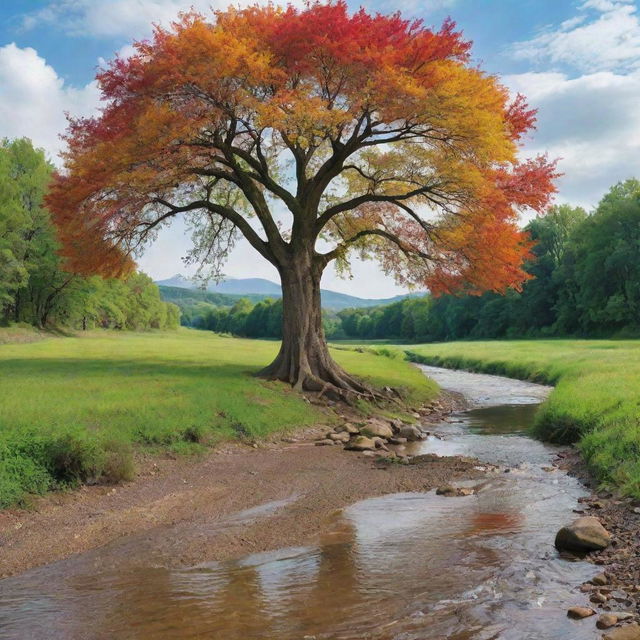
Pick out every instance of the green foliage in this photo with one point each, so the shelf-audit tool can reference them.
(34, 288)
(585, 281)
(595, 401)
(75, 409)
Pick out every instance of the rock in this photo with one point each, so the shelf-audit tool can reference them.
(453, 492)
(360, 443)
(623, 615)
(577, 613)
(380, 444)
(397, 440)
(598, 598)
(369, 454)
(600, 580)
(347, 428)
(377, 430)
(396, 425)
(290, 440)
(411, 433)
(584, 534)
(619, 596)
(630, 632)
(343, 436)
(606, 620)
(324, 443)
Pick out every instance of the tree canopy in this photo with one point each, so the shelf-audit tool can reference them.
(313, 133)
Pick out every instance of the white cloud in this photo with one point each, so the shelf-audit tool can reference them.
(34, 99)
(118, 18)
(591, 122)
(605, 36)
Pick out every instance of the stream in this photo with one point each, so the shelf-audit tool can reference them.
(413, 566)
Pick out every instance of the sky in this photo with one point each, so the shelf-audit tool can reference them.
(577, 61)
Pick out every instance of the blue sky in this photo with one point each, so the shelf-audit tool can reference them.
(578, 61)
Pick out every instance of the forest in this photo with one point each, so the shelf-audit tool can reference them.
(35, 288)
(584, 281)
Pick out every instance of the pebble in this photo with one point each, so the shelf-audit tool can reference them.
(606, 620)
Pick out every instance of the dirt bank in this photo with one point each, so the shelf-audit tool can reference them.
(192, 511)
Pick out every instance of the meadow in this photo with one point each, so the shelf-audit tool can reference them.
(595, 403)
(78, 409)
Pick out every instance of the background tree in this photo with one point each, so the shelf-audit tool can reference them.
(370, 133)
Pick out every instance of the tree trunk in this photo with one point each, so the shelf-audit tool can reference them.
(304, 359)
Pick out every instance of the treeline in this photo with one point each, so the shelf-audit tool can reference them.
(34, 287)
(585, 282)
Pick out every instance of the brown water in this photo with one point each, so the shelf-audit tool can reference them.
(402, 567)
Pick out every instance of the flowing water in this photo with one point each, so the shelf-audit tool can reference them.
(401, 567)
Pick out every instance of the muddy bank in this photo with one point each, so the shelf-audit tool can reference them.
(197, 511)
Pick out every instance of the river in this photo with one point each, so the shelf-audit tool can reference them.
(412, 566)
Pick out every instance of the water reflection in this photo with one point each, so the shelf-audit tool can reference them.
(401, 567)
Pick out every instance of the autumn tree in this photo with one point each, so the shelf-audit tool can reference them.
(316, 135)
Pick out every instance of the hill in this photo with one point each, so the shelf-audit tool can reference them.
(229, 291)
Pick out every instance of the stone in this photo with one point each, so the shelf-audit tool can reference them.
(584, 534)
(454, 492)
(380, 444)
(630, 632)
(619, 596)
(396, 440)
(600, 580)
(360, 443)
(324, 443)
(377, 430)
(339, 437)
(577, 613)
(411, 433)
(598, 598)
(396, 425)
(606, 620)
(624, 615)
(347, 428)
(369, 454)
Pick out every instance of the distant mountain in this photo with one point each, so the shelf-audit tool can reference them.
(259, 287)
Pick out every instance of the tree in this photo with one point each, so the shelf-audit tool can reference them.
(294, 126)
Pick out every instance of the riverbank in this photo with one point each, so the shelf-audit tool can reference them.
(83, 409)
(192, 511)
(594, 402)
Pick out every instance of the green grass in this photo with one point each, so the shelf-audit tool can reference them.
(74, 409)
(596, 400)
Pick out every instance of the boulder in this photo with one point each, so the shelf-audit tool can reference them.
(324, 443)
(347, 428)
(584, 534)
(377, 430)
(598, 598)
(411, 433)
(577, 613)
(397, 440)
(343, 436)
(360, 443)
(630, 632)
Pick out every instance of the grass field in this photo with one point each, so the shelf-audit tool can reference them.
(596, 400)
(75, 409)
